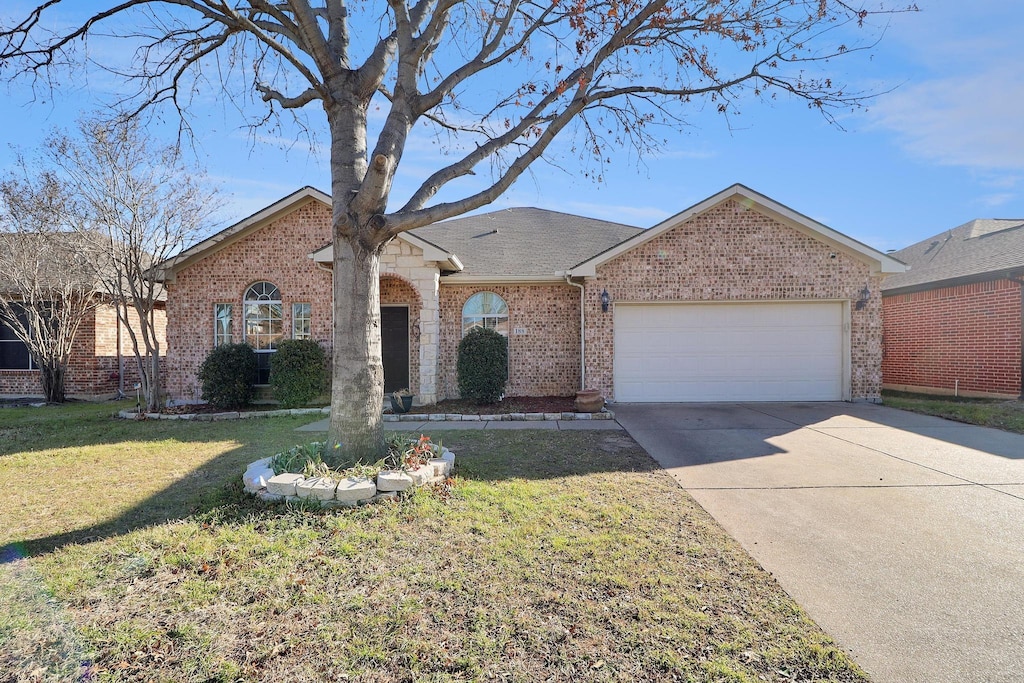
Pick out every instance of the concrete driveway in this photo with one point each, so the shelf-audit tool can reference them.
(902, 535)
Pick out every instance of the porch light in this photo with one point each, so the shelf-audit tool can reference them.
(865, 296)
(605, 300)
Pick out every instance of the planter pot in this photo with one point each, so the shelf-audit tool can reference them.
(589, 401)
(401, 404)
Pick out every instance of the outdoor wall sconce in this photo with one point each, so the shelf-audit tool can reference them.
(865, 296)
(605, 300)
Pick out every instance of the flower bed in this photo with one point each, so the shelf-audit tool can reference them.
(357, 485)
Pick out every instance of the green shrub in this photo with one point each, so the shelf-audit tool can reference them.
(483, 365)
(298, 372)
(228, 376)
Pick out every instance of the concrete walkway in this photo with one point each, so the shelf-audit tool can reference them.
(444, 425)
(902, 535)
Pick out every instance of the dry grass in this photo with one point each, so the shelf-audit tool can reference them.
(1007, 415)
(559, 556)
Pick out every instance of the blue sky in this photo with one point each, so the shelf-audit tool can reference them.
(944, 147)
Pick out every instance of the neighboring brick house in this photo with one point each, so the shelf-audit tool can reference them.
(953, 322)
(102, 361)
(736, 298)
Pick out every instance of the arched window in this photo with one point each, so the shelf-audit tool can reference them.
(264, 324)
(485, 309)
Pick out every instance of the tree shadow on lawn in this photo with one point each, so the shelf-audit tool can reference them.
(216, 482)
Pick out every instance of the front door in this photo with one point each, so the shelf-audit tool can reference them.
(394, 337)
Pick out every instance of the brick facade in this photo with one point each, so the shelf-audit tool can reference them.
(964, 339)
(733, 253)
(93, 371)
(278, 254)
(730, 252)
(544, 347)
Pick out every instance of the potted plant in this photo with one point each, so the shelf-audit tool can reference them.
(401, 401)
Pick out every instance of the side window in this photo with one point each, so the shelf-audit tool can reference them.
(302, 321)
(485, 309)
(14, 353)
(222, 318)
(264, 324)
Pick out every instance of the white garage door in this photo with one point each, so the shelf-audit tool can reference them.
(728, 352)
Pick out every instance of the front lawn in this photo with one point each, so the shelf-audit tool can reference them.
(558, 556)
(999, 413)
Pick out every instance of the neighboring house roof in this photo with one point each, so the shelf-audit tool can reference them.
(979, 250)
(879, 262)
(54, 259)
(523, 243)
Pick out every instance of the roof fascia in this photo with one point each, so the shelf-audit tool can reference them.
(879, 262)
(990, 276)
(462, 279)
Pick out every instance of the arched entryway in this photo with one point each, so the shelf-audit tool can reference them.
(400, 307)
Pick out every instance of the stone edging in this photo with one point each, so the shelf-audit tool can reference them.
(228, 415)
(404, 417)
(501, 417)
(259, 480)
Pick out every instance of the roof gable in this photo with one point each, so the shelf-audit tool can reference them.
(264, 217)
(879, 262)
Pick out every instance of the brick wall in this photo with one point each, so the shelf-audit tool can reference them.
(733, 253)
(970, 333)
(544, 361)
(277, 253)
(93, 368)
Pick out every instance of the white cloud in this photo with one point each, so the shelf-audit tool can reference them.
(966, 120)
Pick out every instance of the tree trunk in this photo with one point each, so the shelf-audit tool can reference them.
(52, 378)
(357, 390)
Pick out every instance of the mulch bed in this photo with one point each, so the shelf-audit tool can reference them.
(510, 404)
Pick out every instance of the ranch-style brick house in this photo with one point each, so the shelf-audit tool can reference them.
(737, 298)
(954, 323)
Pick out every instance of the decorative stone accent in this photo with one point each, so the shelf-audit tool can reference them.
(393, 480)
(257, 475)
(421, 475)
(284, 484)
(470, 418)
(260, 480)
(453, 417)
(355, 489)
(319, 488)
(534, 417)
(436, 417)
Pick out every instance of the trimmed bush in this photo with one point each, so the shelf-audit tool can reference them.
(228, 376)
(483, 365)
(298, 372)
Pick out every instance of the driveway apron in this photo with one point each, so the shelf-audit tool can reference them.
(902, 535)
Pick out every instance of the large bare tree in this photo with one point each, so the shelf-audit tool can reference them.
(47, 284)
(140, 204)
(504, 77)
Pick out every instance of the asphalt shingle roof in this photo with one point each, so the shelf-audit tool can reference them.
(982, 246)
(523, 242)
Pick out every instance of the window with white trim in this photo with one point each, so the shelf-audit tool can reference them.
(485, 309)
(302, 321)
(222, 318)
(264, 324)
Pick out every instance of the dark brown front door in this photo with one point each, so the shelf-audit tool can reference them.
(394, 336)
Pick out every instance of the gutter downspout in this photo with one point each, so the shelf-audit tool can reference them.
(583, 332)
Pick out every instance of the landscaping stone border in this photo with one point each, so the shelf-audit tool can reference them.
(259, 480)
(227, 415)
(388, 417)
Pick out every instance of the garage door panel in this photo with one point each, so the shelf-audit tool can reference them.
(728, 352)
